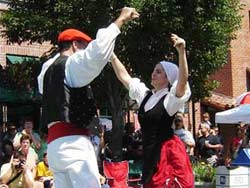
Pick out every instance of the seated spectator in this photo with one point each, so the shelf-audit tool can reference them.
(16, 173)
(29, 153)
(28, 130)
(43, 173)
(184, 134)
(218, 135)
(11, 133)
(208, 145)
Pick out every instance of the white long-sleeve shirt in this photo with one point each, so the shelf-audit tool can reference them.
(138, 91)
(85, 65)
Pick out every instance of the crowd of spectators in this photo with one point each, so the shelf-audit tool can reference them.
(24, 161)
(23, 157)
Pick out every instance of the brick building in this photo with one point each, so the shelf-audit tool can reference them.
(17, 51)
(14, 53)
(234, 76)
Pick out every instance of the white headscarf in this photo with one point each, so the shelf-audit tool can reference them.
(171, 70)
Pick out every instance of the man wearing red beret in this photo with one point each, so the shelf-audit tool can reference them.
(68, 104)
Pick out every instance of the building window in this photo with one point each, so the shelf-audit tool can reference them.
(249, 20)
(248, 79)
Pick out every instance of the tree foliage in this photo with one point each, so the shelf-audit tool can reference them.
(207, 25)
(42, 20)
(18, 81)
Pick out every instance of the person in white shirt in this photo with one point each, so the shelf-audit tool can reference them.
(166, 163)
(68, 104)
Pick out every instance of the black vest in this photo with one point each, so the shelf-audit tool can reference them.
(63, 103)
(156, 128)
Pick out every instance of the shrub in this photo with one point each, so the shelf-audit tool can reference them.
(203, 172)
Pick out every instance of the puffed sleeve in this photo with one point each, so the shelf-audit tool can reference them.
(172, 103)
(85, 65)
(137, 90)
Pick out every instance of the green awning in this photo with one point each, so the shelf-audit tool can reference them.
(14, 96)
(18, 59)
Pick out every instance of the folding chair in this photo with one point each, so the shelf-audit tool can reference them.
(116, 173)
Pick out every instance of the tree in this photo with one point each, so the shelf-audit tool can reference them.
(207, 25)
(18, 81)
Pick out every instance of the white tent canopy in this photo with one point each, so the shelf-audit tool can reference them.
(243, 98)
(240, 114)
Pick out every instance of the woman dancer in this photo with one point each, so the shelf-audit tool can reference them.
(166, 163)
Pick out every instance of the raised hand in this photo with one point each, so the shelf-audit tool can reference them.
(178, 42)
(127, 14)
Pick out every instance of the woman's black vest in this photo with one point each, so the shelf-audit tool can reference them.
(156, 128)
(63, 103)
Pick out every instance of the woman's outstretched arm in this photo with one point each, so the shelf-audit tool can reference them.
(120, 71)
(180, 46)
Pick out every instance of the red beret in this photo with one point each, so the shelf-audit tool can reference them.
(73, 34)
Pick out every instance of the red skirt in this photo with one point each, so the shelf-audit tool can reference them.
(174, 168)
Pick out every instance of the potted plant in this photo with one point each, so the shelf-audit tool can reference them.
(204, 175)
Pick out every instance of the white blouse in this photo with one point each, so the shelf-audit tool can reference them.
(138, 91)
